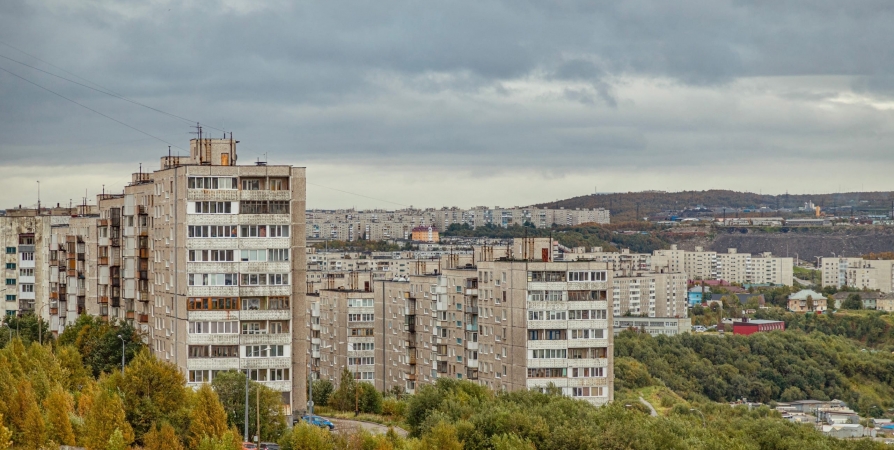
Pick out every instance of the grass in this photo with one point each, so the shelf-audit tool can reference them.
(661, 398)
(387, 421)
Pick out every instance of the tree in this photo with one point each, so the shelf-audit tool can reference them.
(98, 342)
(322, 391)
(162, 438)
(227, 441)
(58, 405)
(810, 303)
(105, 415)
(442, 437)
(5, 436)
(27, 327)
(207, 418)
(230, 387)
(153, 391)
(854, 301)
(116, 441)
(304, 436)
(344, 398)
(29, 428)
(370, 399)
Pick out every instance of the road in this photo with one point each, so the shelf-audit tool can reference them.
(802, 282)
(652, 412)
(342, 425)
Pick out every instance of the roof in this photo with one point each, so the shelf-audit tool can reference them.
(424, 228)
(758, 322)
(804, 293)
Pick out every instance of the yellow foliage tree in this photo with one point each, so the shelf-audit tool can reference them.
(162, 438)
(58, 405)
(207, 418)
(28, 426)
(441, 437)
(104, 417)
(5, 436)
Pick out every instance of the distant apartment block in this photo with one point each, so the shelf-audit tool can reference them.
(732, 266)
(668, 326)
(350, 225)
(206, 258)
(858, 273)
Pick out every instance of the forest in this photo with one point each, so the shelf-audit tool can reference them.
(763, 367)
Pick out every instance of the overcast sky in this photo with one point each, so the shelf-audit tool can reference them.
(455, 103)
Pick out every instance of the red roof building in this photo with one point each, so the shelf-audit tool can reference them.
(746, 327)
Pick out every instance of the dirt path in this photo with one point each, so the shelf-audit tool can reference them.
(350, 425)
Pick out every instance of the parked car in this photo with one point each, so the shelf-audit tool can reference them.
(699, 329)
(269, 446)
(249, 446)
(318, 421)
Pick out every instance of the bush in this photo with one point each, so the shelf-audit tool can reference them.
(394, 408)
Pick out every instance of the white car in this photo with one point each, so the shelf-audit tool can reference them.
(699, 329)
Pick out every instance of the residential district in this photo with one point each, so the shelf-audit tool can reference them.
(209, 259)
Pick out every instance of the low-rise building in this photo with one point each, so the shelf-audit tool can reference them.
(668, 326)
(751, 326)
(807, 300)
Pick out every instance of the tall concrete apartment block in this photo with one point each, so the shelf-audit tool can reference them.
(205, 257)
(858, 273)
(506, 324)
(731, 266)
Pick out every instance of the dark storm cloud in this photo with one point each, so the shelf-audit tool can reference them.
(438, 83)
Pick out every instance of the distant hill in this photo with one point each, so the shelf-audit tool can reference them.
(623, 206)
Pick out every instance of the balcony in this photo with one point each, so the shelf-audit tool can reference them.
(129, 315)
(103, 261)
(144, 318)
(411, 377)
(471, 327)
(471, 309)
(412, 360)
(103, 300)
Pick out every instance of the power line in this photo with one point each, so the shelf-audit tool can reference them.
(89, 108)
(103, 90)
(360, 195)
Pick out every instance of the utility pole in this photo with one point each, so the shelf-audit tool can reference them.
(258, 405)
(122, 353)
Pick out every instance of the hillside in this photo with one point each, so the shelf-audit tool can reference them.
(623, 206)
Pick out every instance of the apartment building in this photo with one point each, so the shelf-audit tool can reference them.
(349, 225)
(205, 257)
(504, 323)
(858, 273)
(668, 326)
(731, 266)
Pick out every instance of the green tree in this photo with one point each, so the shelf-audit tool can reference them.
(854, 301)
(370, 399)
(162, 438)
(153, 390)
(344, 398)
(227, 441)
(116, 441)
(207, 418)
(27, 327)
(230, 387)
(322, 390)
(442, 437)
(306, 437)
(105, 415)
(98, 342)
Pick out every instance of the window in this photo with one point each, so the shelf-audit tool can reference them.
(584, 296)
(546, 276)
(547, 315)
(361, 346)
(11, 266)
(587, 372)
(253, 255)
(279, 374)
(229, 327)
(10, 250)
(360, 302)
(27, 256)
(10, 281)
(362, 361)
(251, 304)
(253, 207)
(252, 328)
(278, 184)
(587, 334)
(211, 183)
(213, 207)
(212, 279)
(198, 351)
(253, 230)
(361, 317)
(278, 254)
(279, 230)
(212, 231)
(10, 298)
(278, 279)
(251, 184)
(199, 376)
(547, 373)
(587, 392)
(278, 303)
(586, 314)
(224, 351)
(210, 255)
(587, 276)
(219, 303)
(263, 351)
(548, 353)
(27, 288)
(358, 332)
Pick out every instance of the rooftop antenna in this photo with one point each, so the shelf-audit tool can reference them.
(38, 197)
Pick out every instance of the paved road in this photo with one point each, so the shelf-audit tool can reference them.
(350, 425)
(652, 412)
(802, 282)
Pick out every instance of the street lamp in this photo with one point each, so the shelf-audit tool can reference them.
(123, 342)
(247, 370)
(704, 424)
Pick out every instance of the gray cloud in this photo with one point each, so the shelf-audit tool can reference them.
(482, 87)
